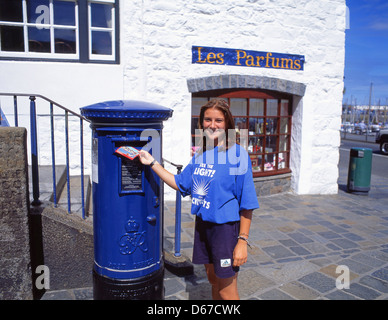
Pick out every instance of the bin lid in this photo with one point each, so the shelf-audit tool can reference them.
(361, 148)
(124, 111)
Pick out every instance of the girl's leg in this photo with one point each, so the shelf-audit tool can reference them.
(211, 276)
(222, 289)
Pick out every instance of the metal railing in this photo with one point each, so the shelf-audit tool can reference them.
(34, 146)
(178, 208)
(35, 163)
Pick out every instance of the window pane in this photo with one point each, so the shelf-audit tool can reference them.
(101, 15)
(196, 105)
(255, 144)
(270, 162)
(195, 140)
(284, 108)
(283, 160)
(225, 99)
(272, 107)
(242, 138)
(270, 144)
(64, 13)
(240, 123)
(271, 126)
(11, 10)
(283, 143)
(283, 125)
(38, 40)
(38, 11)
(194, 124)
(256, 162)
(12, 39)
(101, 42)
(256, 125)
(64, 41)
(240, 126)
(238, 107)
(256, 107)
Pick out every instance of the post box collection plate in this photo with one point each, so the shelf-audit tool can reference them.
(131, 172)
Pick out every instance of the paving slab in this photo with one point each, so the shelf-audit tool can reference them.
(298, 240)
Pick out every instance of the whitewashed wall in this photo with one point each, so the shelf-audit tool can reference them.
(72, 85)
(156, 37)
(156, 44)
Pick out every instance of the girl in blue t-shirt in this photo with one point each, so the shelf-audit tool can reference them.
(219, 181)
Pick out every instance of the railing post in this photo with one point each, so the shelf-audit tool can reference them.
(67, 161)
(53, 155)
(15, 110)
(178, 205)
(82, 168)
(34, 154)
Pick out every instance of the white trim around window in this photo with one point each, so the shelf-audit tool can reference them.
(84, 42)
(106, 30)
(43, 24)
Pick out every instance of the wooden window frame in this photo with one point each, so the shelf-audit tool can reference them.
(265, 168)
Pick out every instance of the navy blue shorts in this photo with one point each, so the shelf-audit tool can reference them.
(214, 244)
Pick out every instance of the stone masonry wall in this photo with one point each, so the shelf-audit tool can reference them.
(15, 268)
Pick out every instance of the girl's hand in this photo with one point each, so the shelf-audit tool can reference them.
(145, 157)
(240, 253)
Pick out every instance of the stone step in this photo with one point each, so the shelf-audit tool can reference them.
(76, 196)
(46, 181)
(46, 193)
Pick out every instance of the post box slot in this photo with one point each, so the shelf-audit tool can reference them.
(129, 138)
(124, 135)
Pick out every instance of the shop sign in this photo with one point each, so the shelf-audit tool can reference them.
(246, 58)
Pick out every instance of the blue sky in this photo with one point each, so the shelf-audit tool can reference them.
(366, 52)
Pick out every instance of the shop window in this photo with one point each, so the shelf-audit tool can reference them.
(266, 118)
(83, 30)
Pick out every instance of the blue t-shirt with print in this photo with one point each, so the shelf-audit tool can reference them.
(220, 183)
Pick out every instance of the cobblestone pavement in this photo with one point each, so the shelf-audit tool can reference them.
(299, 241)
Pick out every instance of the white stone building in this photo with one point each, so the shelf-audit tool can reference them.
(178, 54)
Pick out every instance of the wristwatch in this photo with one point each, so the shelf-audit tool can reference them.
(152, 163)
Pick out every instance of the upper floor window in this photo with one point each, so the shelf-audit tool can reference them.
(79, 30)
(266, 120)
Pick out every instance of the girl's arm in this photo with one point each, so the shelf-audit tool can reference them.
(167, 177)
(240, 253)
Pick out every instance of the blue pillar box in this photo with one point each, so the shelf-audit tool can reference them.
(127, 200)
